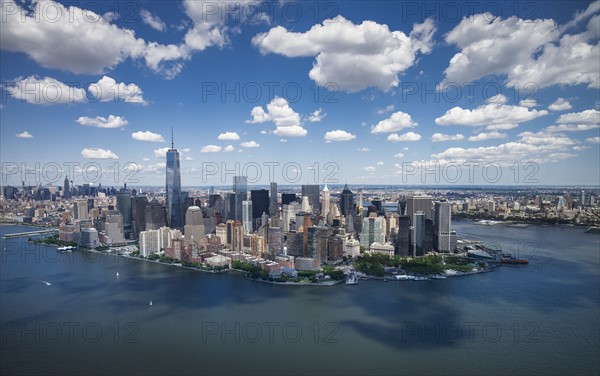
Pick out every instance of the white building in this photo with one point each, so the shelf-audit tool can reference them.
(150, 242)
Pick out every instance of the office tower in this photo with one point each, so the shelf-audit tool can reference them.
(221, 233)
(373, 230)
(295, 243)
(229, 234)
(237, 239)
(155, 215)
(80, 209)
(273, 206)
(89, 238)
(150, 242)
(288, 198)
(288, 213)
(325, 201)
(306, 206)
(275, 242)
(376, 201)
(582, 204)
(442, 223)
(360, 199)
(215, 201)
(66, 188)
(165, 237)
(124, 206)
(139, 214)
(403, 245)
(247, 207)
(113, 227)
(335, 249)
(260, 203)
(419, 233)
(419, 204)
(173, 185)
(240, 191)
(312, 192)
(228, 206)
(391, 223)
(90, 204)
(428, 240)
(194, 225)
(347, 201)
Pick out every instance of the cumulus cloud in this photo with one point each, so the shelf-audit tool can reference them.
(46, 91)
(210, 149)
(560, 104)
(153, 21)
(316, 116)
(363, 149)
(439, 137)
(529, 103)
(524, 51)
(229, 149)
(380, 163)
(369, 169)
(147, 136)
(249, 144)
(111, 121)
(490, 113)
(396, 122)
(97, 153)
(228, 136)
(24, 134)
(483, 136)
(571, 127)
(593, 140)
(353, 56)
(409, 136)
(107, 89)
(399, 155)
(385, 110)
(338, 135)
(287, 121)
(584, 117)
(161, 153)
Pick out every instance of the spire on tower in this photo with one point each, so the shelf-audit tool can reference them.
(172, 147)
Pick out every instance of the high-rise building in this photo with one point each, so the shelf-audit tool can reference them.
(275, 242)
(373, 230)
(194, 224)
(273, 206)
(288, 198)
(155, 215)
(347, 201)
(240, 191)
(80, 209)
(312, 192)
(325, 201)
(150, 242)
(173, 185)
(139, 214)
(422, 204)
(419, 233)
(247, 208)
(260, 203)
(113, 227)
(124, 206)
(66, 188)
(403, 240)
(442, 223)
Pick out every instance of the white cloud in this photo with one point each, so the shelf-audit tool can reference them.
(410, 136)
(529, 103)
(111, 121)
(249, 144)
(210, 149)
(524, 50)
(490, 113)
(263, 132)
(316, 116)
(352, 56)
(593, 140)
(584, 117)
(483, 136)
(369, 169)
(501, 127)
(45, 90)
(24, 134)
(498, 99)
(153, 21)
(282, 140)
(228, 136)
(396, 122)
(161, 153)
(145, 159)
(338, 135)
(363, 149)
(380, 163)
(147, 136)
(97, 153)
(107, 89)
(287, 121)
(439, 137)
(385, 110)
(229, 149)
(571, 127)
(156, 168)
(560, 104)
(399, 155)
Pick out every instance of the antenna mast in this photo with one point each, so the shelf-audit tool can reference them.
(172, 147)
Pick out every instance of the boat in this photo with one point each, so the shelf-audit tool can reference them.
(47, 283)
(438, 276)
(385, 280)
(150, 303)
(117, 274)
(421, 278)
(352, 278)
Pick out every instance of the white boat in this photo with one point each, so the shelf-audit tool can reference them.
(47, 283)
(117, 274)
(404, 277)
(150, 303)
(421, 278)
(438, 276)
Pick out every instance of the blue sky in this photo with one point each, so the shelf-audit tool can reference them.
(357, 92)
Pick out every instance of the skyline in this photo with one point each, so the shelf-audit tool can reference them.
(227, 87)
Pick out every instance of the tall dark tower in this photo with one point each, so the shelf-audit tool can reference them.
(174, 204)
(347, 201)
(66, 188)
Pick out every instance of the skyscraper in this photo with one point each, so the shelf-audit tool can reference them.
(419, 233)
(174, 204)
(247, 208)
(240, 190)
(419, 203)
(194, 224)
(347, 203)
(260, 203)
(273, 206)
(442, 220)
(124, 206)
(312, 192)
(325, 200)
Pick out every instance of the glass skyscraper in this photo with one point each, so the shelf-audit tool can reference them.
(240, 190)
(174, 204)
